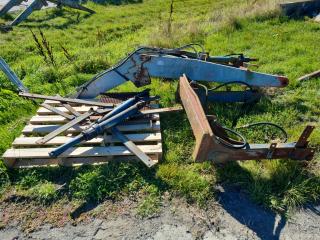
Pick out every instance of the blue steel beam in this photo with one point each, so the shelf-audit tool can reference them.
(6, 8)
(35, 5)
(122, 112)
(144, 63)
(96, 130)
(197, 70)
(12, 76)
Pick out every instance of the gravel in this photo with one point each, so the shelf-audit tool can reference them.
(233, 217)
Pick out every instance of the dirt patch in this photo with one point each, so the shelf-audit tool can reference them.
(234, 216)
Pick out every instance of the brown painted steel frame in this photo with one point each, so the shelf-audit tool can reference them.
(208, 147)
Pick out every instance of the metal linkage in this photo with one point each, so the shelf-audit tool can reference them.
(65, 127)
(6, 8)
(65, 100)
(34, 6)
(212, 95)
(213, 142)
(127, 109)
(133, 148)
(12, 76)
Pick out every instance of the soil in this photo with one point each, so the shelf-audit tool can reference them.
(233, 216)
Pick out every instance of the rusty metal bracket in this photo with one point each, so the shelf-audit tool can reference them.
(208, 146)
(272, 148)
(303, 140)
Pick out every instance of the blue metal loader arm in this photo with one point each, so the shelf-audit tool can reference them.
(146, 62)
(12, 76)
(34, 6)
(6, 8)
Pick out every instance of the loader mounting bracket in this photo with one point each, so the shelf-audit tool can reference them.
(210, 135)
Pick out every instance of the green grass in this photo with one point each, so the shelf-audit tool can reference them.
(44, 192)
(94, 43)
(150, 204)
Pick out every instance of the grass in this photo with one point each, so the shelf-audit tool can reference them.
(83, 45)
(44, 192)
(150, 204)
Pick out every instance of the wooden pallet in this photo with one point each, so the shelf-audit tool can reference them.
(26, 152)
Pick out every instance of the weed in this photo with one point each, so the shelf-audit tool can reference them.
(45, 49)
(66, 53)
(149, 206)
(39, 46)
(193, 181)
(48, 48)
(44, 192)
(103, 182)
(100, 37)
(29, 180)
(170, 19)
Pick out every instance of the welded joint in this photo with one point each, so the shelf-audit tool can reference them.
(271, 150)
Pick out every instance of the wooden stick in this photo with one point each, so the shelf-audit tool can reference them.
(162, 110)
(134, 137)
(71, 109)
(309, 76)
(65, 127)
(31, 153)
(133, 148)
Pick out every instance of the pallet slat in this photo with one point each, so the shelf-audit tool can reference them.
(56, 119)
(44, 129)
(79, 152)
(41, 162)
(48, 119)
(141, 137)
(80, 109)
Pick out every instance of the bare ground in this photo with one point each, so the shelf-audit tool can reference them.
(234, 216)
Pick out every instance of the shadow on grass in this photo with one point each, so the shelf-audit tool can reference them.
(265, 223)
(117, 2)
(70, 17)
(91, 184)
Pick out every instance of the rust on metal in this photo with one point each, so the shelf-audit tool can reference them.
(197, 118)
(303, 140)
(284, 81)
(208, 146)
